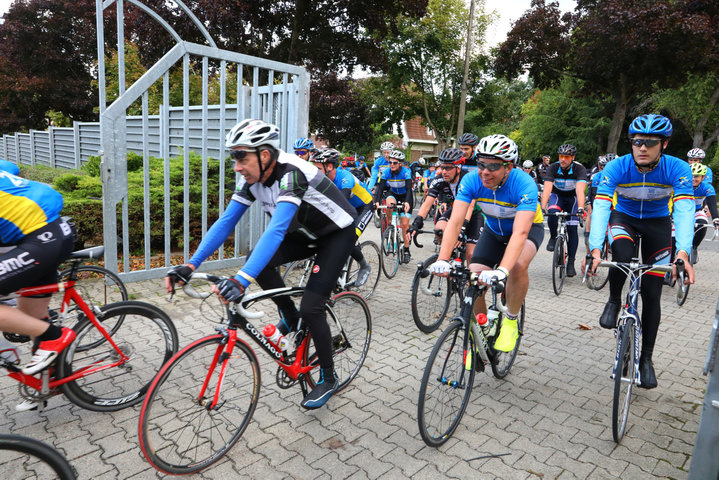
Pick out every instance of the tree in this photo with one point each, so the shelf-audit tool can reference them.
(496, 107)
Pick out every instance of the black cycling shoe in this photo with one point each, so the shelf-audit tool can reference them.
(322, 392)
(550, 244)
(609, 315)
(571, 272)
(646, 373)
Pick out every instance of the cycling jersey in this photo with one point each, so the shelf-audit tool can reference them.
(500, 205)
(709, 177)
(352, 188)
(705, 193)
(25, 206)
(565, 181)
(444, 191)
(645, 195)
(396, 182)
(470, 164)
(380, 164)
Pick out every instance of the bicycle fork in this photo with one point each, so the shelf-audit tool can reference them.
(222, 356)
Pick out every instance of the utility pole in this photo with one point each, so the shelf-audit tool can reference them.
(463, 95)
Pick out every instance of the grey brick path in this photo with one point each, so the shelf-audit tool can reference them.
(550, 418)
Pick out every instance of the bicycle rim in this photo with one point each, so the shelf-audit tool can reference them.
(390, 254)
(430, 298)
(296, 273)
(682, 292)
(601, 275)
(178, 433)
(504, 360)
(623, 382)
(146, 335)
(370, 252)
(27, 458)
(445, 388)
(558, 266)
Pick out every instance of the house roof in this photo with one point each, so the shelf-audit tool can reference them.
(415, 132)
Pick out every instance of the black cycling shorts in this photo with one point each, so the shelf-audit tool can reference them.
(490, 247)
(33, 262)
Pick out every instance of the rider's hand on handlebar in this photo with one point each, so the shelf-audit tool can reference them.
(180, 273)
(596, 257)
(440, 268)
(230, 290)
(688, 268)
(486, 276)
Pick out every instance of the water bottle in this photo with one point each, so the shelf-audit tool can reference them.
(457, 262)
(8, 351)
(275, 337)
(493, 319)
(483, 323)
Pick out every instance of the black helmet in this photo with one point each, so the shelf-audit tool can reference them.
(468, 139)
(567, 149)
(329, 155)
(452, 155)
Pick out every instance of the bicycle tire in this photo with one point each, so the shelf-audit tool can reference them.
(350, 323)
(558, 266)
(504, 360)
(370, 252)
(19, 465)
(682, 293)
(390, 252)
(146, 335)
(623, 382)
(430, 299)
(601, 275)
(297, 272)
(438, 415)
(377, 220)
(178, 434)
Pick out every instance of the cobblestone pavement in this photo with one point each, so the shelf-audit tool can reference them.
(550, 418)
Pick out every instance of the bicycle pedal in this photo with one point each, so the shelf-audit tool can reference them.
(16, 337)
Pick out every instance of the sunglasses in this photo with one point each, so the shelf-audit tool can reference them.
(238, 154)
(492, 167)
(394, 163)
(447, 167)
(300, 152)
(649, 142)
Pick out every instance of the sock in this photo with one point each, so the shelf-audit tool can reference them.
(53, 332)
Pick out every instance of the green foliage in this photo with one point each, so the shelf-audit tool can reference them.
(92, 166)
(496, 107)
(41, 173)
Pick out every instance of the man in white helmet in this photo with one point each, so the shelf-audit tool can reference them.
(381, 163)
(309, 216)
(697, 155)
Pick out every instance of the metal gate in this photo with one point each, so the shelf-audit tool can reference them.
(272, 91)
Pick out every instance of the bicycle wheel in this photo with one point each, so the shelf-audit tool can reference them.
(178, 433)
(682, 292)
(601, 275)
(147, 336)
(623, 382)
(558, 266)
(430, 298)
(370, 251)
(350, 325)
(297, 272)
(445, 388)
(390, 252)
(504, 360)
(27, 458)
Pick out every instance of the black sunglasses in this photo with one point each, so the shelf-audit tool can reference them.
(447, 167)
(300, 152)
(649, 142)
(238, 154)
(492, 167)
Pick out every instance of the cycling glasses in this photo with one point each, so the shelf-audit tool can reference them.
(300, 152)
(238, 154)
(649, 142)
(394, 163)
(448, 167)
(492, 167)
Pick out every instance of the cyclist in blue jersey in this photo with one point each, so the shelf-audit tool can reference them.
(308, 216)
(513, 228)
(359, 197)
(304, 147)
(644, 181)
(35, 240)
(395, 187)
(697, 155)
(9, 167)
(704, 196)
(428, 175)
(467, 142)
(593, 184)
(381, 163)
(564, 184)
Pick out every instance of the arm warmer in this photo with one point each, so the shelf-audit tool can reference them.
(683, 215)
(711, 203)
(218, 232)
(380, 189)
(601, 209)
(408, 191)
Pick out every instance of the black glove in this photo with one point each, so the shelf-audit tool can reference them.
(417, 224)
(230, 289)
(183, 273)
(463, 230)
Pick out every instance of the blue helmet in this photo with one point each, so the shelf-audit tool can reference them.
(651, 124)
(303, 143)
(9, 167)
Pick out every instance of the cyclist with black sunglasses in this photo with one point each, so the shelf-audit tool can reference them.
(644, 182)
(513, 228)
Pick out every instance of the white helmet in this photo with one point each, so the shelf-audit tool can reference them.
(498, 146)
(397, 155)
(696, 153)
(422, 161)
(527, 164)
(386, 146)
(253, 133)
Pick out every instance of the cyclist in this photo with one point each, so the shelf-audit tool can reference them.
(308, 216)
(644, 181)
(362, 170)
(528, 167)
(444, 189)
(542, 170)
(564, 184)
(10, 167)
(697, 155)
(359, 197)
(380, 163)
(429, 175)
(467, 143)
(395, 186)
(303, 147)
(513, 230)
(38, 240)
(704, 194)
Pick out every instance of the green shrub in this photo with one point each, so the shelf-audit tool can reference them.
(66, 183)
(42, 173)
(92, 166)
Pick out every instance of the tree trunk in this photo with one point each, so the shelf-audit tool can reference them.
(620, 113)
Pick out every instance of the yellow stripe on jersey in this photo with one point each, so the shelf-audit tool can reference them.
(22, 212)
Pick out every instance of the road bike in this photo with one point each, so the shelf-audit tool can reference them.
(561, 251)
(298, 272)
(628, 334)
(203, 399)
(27, 458)
(462, 349)
(117, 351)
(432, 295)
(392, 249)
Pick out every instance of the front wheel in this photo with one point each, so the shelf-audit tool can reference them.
(623, 382)
(682, 291)
(559, 267)
(179, 434)
(431, 297)
(601, 275)
(370, 252)
(146, 336)
(504, 360)
(390, 252)
(446, 386)
(32, 458)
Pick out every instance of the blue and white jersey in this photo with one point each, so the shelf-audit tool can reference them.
(646, 195)
(429, 175)
(500, 206)
(25, 206)
(380, 164)
(565, 181)
(396, 182)
(596, 178)
(359, 195)
(703, 191)
(709, 177)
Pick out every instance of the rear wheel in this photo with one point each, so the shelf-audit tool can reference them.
(504, 360)
(682, 291)
(370, 252)
(296, 273)
(390, 252)
(559, 267)
(431, 297)
(24, 457)
(623, 382)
